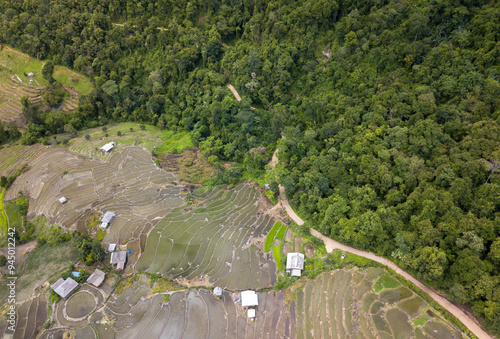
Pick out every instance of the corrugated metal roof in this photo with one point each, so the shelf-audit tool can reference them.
(119, 258)
(294, 260)
(249, 298)
(107, 217)
(66, 287)
(108, 147)
(96, 278)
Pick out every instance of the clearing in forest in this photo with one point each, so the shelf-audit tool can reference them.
(15, 83)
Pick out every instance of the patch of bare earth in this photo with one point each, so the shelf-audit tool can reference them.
(196, 282)
(189, 166)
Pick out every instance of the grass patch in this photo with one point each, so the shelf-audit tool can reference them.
(21, 64)
(277, 257)
(270, 236)
(93, 220)
(100, 235)
(125, 284)
(385, 282)
(281, 232)
(3, 216)
(174, 142)
(16, 210)
(258, 177)
(44, 263)
(421, 321)
(166, 297)
(162, 285)
(70, 78)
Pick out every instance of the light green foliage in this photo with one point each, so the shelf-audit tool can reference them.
(174, 142)
(385, 282)
(3, 216)
(271, 235)
(100, 235)
(421, 321)
(278, 257)
(281, 233)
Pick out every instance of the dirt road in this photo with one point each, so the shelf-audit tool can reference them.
(235, 93)
(469, 321)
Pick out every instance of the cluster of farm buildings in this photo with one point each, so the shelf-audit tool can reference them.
(249, 299)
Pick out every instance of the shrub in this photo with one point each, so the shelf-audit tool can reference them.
(3, 260)
(54, 297)
(283, 281)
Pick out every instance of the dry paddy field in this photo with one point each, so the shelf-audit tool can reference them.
(129, 184)
(31, 315)
(221, 240)
(365, 304)
(136, 313)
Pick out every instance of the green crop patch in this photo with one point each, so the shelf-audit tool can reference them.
(281, 233)
(270, 236)
(21, 64)
(385, 282)
(277, 257)
(3, 216)
(174, 142)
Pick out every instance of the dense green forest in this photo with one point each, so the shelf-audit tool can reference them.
(390, 110)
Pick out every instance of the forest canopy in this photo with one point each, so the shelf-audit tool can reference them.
(390, 110)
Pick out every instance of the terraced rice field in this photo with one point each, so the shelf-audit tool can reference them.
(221, 240)
(148, 139)
(14, 157)
(11, 92)
(17, 64)
(343, 304)
(188, 314)
(31, 315)
(129, 184)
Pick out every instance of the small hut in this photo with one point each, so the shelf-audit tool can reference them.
(294, 264)
(218, 292)
(250, 300)
(106, 219)
(119, 258)
(96, 278)
(64, 287)
(62, 200)
(108, 147)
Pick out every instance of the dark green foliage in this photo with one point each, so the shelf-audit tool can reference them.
(53, 94)
(48, 70)
(53, 298)
(283, 281)
(3, 260)
(89, 249)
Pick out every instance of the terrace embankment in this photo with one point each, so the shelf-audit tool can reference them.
(217, 238)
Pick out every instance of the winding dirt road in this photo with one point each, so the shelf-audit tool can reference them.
(468, 320)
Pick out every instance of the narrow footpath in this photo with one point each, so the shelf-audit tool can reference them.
(236, 94)
(468, 320)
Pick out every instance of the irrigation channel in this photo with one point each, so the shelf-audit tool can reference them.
(470, 322)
